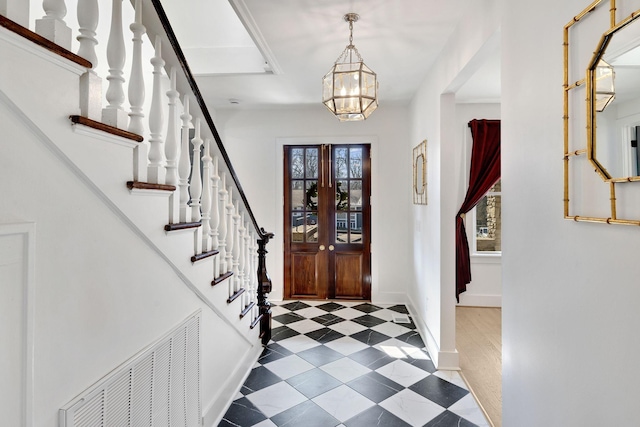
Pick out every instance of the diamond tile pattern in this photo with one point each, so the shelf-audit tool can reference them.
(358, 369)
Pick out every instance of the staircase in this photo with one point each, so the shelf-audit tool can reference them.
(155, 168)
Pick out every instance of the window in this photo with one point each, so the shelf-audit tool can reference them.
(488, 222)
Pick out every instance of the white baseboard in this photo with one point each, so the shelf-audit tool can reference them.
(443, 360)
(388, 298)
(448, 361)
(471, 300)
(218, 407)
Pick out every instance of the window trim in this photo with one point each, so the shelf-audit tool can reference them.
(477, 257)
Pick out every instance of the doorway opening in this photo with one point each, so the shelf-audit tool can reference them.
(327, 221)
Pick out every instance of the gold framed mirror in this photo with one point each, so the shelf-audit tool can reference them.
(420, 173)
(611, 87)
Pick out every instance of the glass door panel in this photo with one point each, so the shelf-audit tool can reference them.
(303, 194)
(348, 164)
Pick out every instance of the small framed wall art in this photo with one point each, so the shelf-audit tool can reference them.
(420, 173)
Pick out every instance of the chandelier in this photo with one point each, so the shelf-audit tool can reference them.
(350, 88)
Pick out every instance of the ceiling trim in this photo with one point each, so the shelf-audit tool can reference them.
(249, 23)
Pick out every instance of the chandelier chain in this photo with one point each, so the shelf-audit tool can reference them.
(346, 53)
(350, 49)
(351, 32)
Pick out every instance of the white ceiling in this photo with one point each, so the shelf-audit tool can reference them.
(300, 40)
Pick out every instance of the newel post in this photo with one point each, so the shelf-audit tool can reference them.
(264, 287)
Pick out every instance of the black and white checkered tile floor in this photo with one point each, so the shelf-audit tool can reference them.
(349, 364)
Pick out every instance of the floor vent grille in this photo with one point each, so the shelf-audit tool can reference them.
(401, 318)
(160, 386)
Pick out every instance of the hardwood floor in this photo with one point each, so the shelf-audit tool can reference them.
(479, 342)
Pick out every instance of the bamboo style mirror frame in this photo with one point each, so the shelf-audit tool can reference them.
(612, 106)
(420, 173)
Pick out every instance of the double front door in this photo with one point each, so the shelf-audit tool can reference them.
(327, 222)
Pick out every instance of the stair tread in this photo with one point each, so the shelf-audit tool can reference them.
(247, 309)
(182, 226)
(43, 42)
(221, 278)
(106, 128)
(235, 295)
(149, 186)
(203, 255)
(255, 322)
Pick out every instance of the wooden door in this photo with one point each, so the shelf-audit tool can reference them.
(327, 222)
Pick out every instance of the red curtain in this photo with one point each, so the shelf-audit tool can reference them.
(485, 171)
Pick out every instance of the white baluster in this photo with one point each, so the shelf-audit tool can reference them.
(230, 232)
(136, 89)
(171, 148)
(215, 216)
(254, 276)
(240, 237)
(247, 264)
(16, 10)
(90, 82)
(54, 9)
(114, 114)
(196, 179)
(243, 260)
(52, 25)
(155, 168)
(236, 247)
(184, 166)
(222, 229)
(207, 165)
(254, 269)
(88, 15)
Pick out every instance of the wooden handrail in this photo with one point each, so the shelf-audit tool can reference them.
(205, 111)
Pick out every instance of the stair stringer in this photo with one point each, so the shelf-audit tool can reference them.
(107, 162)
(136, 216)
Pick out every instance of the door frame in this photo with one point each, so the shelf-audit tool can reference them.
(330, 258)
(277, 244)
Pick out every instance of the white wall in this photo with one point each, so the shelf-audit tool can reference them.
(433, 117)
(254, 140)
(485, 288)
(570, 290)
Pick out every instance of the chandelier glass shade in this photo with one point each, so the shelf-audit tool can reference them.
(350, 88)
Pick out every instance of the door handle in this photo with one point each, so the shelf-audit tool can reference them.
(331, 247)
(322, 247)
